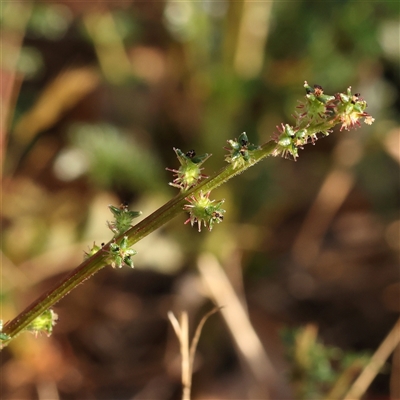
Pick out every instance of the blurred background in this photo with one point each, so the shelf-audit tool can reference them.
(94, 96)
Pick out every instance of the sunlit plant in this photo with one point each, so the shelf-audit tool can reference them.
(316, 116)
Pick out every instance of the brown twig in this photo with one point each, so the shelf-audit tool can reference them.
(247, 341)
(187, 352)
(370, 371)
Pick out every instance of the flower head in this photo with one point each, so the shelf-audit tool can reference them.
(44, 323)
(319, 114)
(189, 173)
(351, 109)
(123, 218)
(121, 254)
(240, 151)
(313, 109)
(204, 211)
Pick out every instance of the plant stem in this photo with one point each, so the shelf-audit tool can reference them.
(96, 262)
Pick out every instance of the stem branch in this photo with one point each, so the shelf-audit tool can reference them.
(98, 261)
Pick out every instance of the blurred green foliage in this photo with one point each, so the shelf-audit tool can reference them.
(315, 367)
(115, 160)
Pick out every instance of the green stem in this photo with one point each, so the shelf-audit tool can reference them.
(99, 260)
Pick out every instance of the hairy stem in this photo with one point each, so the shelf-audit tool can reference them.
(99, 260)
